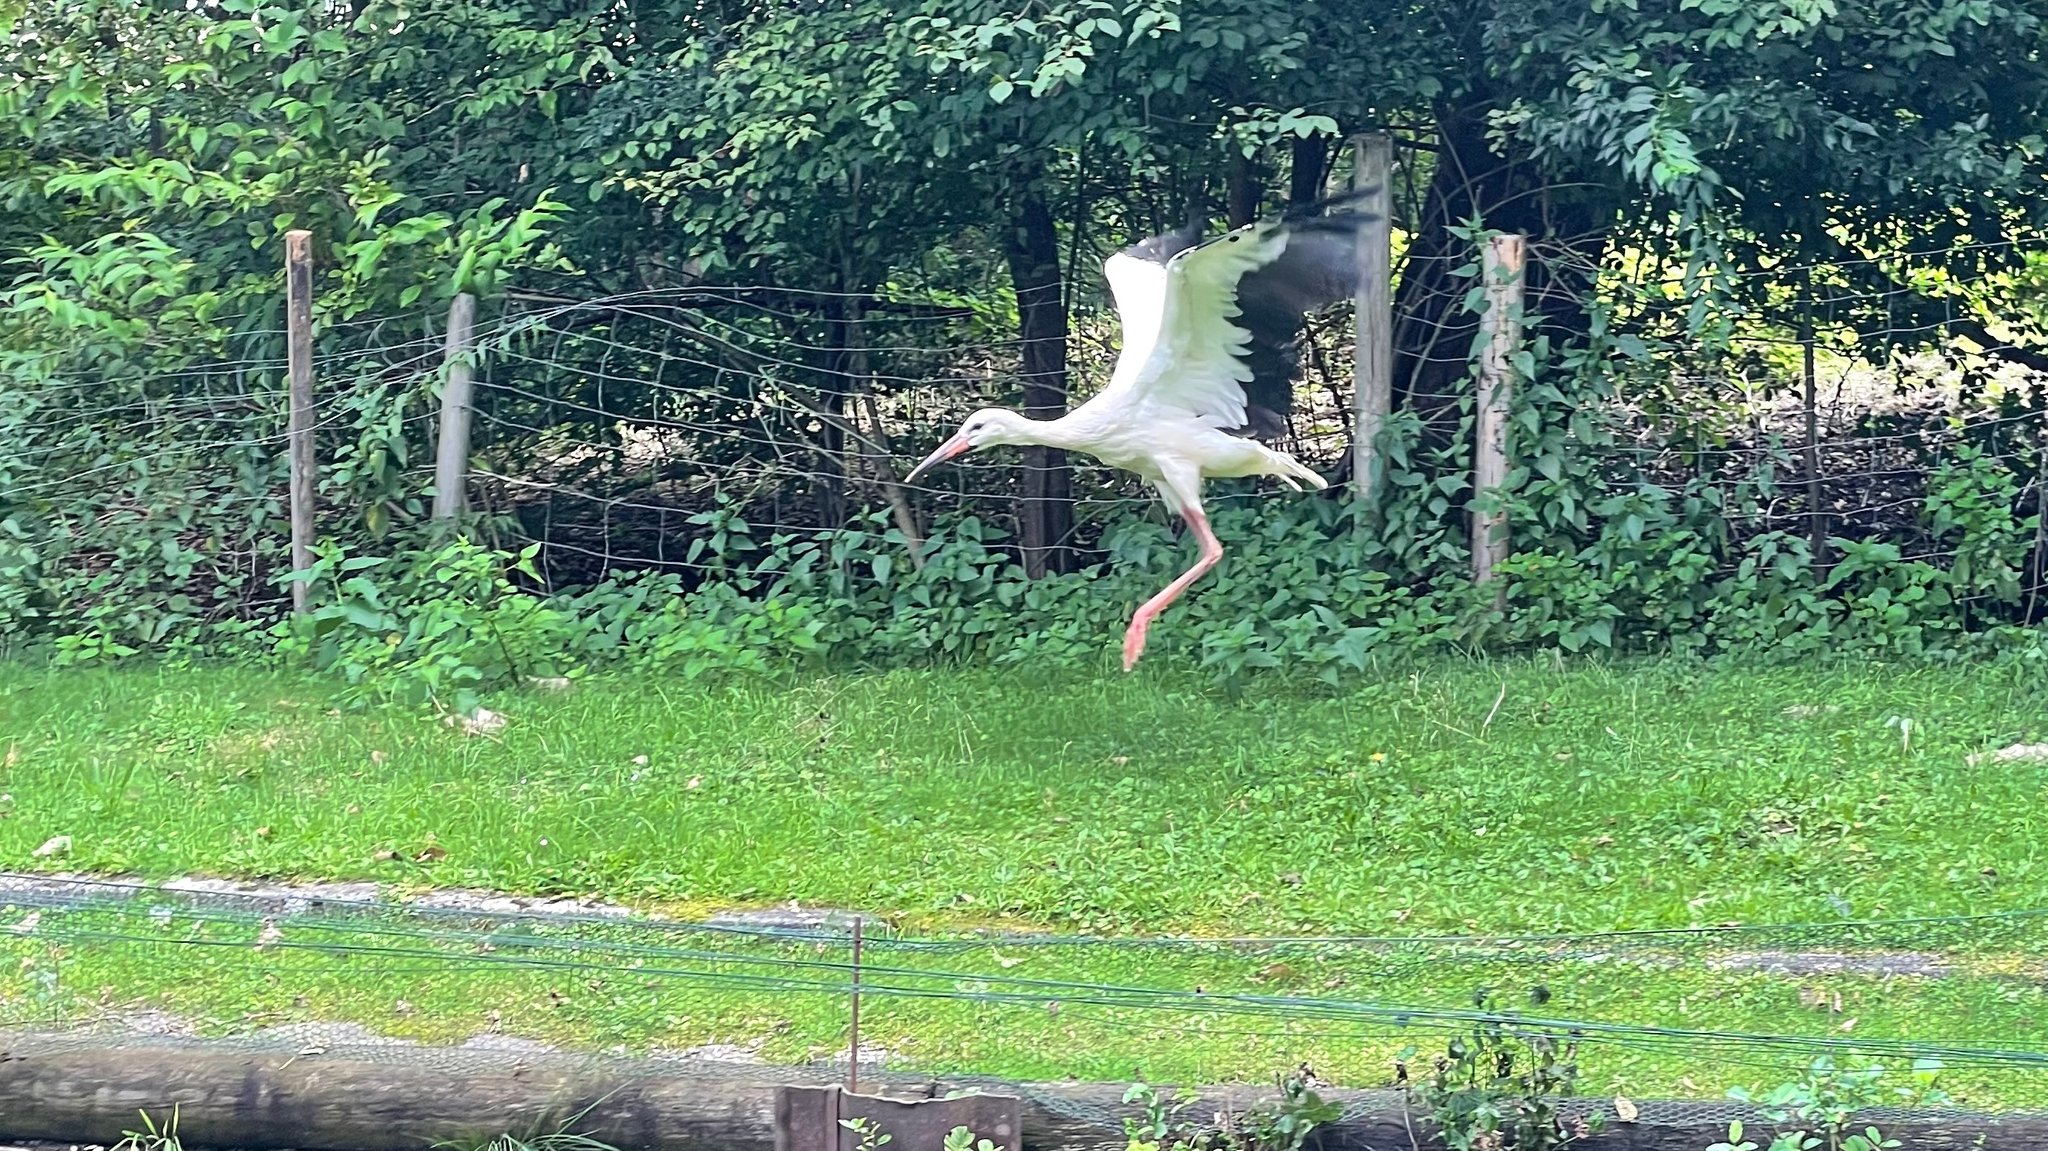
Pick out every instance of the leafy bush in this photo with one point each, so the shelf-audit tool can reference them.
(1603, 560)
(1309, 584)
(441, 626)
(1970, 508)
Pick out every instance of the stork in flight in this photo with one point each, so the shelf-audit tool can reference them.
(1211, 351)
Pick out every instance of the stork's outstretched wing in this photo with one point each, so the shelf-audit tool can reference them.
(1137, 278)
(1212, 330)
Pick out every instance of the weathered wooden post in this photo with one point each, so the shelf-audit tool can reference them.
(1503, 326)
(298, 291)
(1372, 396)
(451, 460)
(1816, 513)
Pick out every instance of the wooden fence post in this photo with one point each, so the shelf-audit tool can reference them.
(451, 460)
(1816, 513)
(1372, 396)
(298, 280)
(1503, 326)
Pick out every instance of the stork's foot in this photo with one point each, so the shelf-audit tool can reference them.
(1134, 640)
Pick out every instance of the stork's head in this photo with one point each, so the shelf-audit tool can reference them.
(984, 428)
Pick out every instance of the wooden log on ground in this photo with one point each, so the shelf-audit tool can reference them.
(358, 1097)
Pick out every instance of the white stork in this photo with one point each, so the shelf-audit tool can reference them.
(1205, 326)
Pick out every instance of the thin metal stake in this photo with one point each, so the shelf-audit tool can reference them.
(853, 1033)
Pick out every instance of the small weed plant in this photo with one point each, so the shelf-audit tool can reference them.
(1824, 1101)
(1162, 1126)
(153, 1137)
(1498, 1085)
(561, 1137)
(870, 1135)
(543, 1141)
(961, 1139)
(1283, 1123)
(1287, 1122)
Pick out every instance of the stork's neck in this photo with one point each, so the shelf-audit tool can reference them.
(1060, 432)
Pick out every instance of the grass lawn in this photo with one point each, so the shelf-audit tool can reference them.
(1502, 799)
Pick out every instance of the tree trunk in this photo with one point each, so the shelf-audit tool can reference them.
(1310, 169)
(1242, 190)
(1046, 515)
(872, 448)
(1433, 332)
(828, 482)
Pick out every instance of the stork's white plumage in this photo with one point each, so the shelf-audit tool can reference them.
(1211, 351)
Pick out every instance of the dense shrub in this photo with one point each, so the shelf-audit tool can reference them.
(1603, 559)
(1305, 585)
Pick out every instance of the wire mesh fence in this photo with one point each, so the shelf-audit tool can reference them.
(443, 980)
(605, 429)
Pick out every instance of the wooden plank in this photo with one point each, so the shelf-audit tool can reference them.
(1503, 324)
(813, 1119)
(451, 459)
(1372, 395)
(298, 314)
(55, 1087)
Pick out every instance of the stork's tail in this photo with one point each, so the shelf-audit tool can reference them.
(1290, 469)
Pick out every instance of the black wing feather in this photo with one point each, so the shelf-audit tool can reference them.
(1318, 268)
(1161, 248)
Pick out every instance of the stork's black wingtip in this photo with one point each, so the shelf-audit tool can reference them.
(1340, 207)
(1352, 196)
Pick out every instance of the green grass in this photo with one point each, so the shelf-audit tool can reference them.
(1521, 798)
(1497, 798)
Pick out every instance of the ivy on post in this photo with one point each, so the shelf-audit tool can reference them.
(1372, 396)
(1502, 325)
(451, 460)
(298, 281)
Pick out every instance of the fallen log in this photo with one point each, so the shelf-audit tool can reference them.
(72, 1088)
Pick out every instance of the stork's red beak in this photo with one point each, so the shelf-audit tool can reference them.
(957, 446)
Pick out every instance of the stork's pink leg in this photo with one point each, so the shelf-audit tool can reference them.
(1134, 638)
